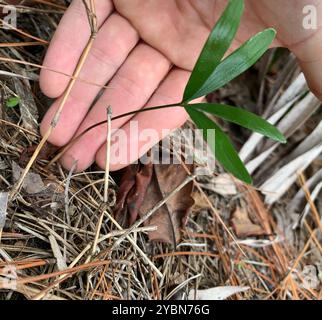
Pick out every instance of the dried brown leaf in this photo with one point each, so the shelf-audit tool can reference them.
(32, 183)
(143, 188)
(133, 186)
(243, 226)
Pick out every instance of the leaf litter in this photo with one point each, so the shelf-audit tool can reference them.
(42, 238)
(147, 186)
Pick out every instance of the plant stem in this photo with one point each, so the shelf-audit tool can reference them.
(179, 104)
(72, 142)
(106, 180)
(108, 152)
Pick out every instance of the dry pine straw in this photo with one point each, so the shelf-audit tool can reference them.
(48, 236)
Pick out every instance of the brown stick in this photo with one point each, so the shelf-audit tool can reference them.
(81, 62)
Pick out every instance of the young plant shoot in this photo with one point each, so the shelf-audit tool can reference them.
(211, 72)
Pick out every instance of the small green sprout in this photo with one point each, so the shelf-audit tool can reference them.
(12, 102)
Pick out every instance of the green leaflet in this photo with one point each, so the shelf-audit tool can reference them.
(236, 63)
(243, 118)
(222, 147)
(216, 46)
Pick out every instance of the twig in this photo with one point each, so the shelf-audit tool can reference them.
(107, 174)
(315, 213)
(66, 191)
(56, 118)
(66, 272)
(25, 63)
(108, 152)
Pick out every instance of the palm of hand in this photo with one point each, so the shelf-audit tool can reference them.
(179, 28)
(174, 33)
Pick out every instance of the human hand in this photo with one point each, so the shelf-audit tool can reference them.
(151, 73)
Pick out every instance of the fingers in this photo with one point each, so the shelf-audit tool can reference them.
(114, 41)
(309, 54)
(67, 45)
(175, 28)
(131, 88)
(143, 131)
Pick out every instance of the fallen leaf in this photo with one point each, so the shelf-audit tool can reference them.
(61, 262)
(243, 226)
(217, 293)
(133, 187)
(32, 183)
(224, 185)
(256, 208)
(309, 278)
(278, 184)
(258, 243)
(172, 216)
(142, 187)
